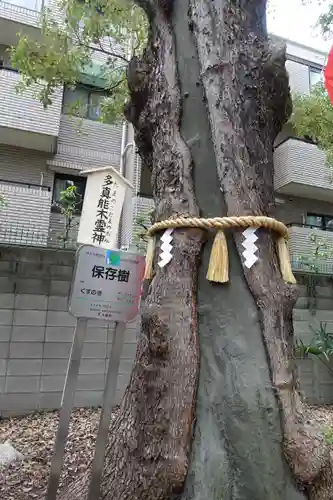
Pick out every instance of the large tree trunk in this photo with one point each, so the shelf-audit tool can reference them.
(207, 101)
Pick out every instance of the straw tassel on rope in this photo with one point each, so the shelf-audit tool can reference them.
(285, 266)
(150, 258)
(218, 269)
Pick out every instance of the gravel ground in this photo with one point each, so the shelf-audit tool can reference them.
(34, 436)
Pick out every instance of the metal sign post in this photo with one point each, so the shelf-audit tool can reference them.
(66, 407)
(106, 286)
(108, 403)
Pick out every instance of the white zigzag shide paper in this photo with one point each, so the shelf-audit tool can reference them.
(250, 247)
(166, 248)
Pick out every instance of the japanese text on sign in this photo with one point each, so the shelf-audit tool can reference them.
(106, 284)
(88, 291)
(105, 209)
(109, 273)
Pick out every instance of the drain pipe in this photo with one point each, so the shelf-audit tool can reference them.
(41, 182)
(122, 148)
(122, 168)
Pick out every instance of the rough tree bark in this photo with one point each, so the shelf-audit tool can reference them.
(208, 98)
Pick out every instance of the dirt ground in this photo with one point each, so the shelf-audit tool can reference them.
(34, 437)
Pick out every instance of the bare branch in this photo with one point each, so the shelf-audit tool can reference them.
(108, 53)
(100, 49)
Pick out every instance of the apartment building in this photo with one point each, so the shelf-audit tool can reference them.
(302, 179)
(42, 151)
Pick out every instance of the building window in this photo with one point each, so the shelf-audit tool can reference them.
(61, 183)
(83, 101)
(324, 222)
(315, 76)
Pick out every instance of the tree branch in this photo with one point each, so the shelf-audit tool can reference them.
(100, 49)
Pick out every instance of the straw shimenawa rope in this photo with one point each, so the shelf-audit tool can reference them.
(218, 265)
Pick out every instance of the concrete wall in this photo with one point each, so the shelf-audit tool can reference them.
(299, 79)
(36, 332)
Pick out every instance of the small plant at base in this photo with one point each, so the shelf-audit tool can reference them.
(322, 341)
(328, 435)
(320, 346)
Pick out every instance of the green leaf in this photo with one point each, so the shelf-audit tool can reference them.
(108, 31)
(313, 117)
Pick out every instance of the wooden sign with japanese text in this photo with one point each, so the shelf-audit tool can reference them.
(102, 206)
(106, 284)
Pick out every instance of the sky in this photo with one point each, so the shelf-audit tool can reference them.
(293, 20)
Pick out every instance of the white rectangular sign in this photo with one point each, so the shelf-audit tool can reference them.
(102, 206)
(106, 284)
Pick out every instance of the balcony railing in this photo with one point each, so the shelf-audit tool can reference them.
(321, 268)
(24, 213)
(309, 226)
(31, 7)
(303, 248)
(20, 236)
(27, 185)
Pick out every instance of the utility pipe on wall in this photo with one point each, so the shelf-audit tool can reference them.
(124, 171)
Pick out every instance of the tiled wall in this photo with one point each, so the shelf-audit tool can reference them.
(298, 162)
(86, 144)
(25, 217)
(18, 164)
(23, 111)
(36, 332)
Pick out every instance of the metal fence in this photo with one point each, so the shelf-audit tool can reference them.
(322, 268)
(22, 236)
